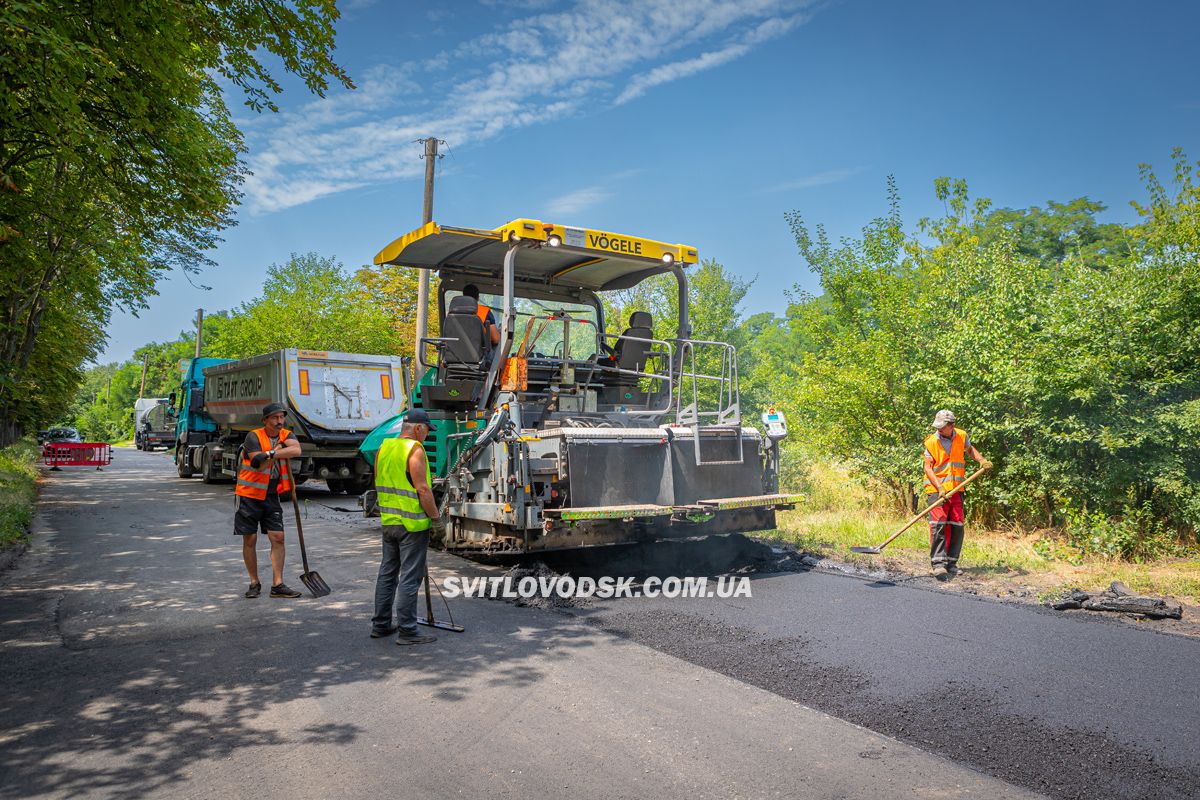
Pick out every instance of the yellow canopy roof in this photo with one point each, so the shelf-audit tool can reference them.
(557, 254)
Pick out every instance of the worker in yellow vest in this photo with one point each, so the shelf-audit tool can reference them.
(409, 515)
(262, 480)
(946, 453)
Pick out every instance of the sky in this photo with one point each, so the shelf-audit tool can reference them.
(698, 122)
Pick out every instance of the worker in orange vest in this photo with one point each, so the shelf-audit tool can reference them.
(484, 313)
(262, 480)
(946, 467)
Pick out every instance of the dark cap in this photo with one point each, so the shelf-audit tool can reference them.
(273, 408)
(417, 416)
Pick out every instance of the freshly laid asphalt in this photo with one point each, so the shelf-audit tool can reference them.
(130, 666)
(1073, 707)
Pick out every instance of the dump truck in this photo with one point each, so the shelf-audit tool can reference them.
(333, 400)
(566, 435)
(153, 423)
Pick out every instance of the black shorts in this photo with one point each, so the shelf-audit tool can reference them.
(254, 515)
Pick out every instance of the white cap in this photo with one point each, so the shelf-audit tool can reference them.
(943, 419)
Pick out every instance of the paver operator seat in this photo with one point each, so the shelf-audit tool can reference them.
(632, 355)
(464, 357)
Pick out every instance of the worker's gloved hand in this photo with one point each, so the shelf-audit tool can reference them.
(437, 534)
(985, 464)
(258, 459)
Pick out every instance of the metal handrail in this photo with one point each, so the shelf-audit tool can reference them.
(728, 401)
(669, 377)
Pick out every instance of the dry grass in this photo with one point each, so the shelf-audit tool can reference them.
(993, 558)
(839, 515)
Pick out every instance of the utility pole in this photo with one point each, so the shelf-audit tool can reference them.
(199, 329)
(145, 363)
(422, 327)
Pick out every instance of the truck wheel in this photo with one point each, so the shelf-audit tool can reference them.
(182, 467)
(336, 485)
(206, 471)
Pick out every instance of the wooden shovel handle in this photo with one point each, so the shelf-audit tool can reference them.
(296, 507)
(932, 506)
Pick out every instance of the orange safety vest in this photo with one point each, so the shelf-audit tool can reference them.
(481, 311)
(950, 468)
(253, 482)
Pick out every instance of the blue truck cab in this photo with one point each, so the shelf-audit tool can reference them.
(193, 426)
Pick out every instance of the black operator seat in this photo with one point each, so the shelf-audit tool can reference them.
(632, 355)
(468, 354)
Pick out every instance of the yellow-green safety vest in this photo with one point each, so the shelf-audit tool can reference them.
(398, 501)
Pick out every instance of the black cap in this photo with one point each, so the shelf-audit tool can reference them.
(417, 416)
(273, 408)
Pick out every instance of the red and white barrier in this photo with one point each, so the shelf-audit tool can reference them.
(76, 454)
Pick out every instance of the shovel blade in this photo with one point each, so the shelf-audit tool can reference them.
(871, 550)
(315, 584)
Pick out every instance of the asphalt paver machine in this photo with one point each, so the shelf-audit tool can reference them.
(563, 435)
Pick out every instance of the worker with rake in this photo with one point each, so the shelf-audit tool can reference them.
(946, 467)
(409, 515)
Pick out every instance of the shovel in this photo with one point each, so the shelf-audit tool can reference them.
(879, 548)
(311, 580)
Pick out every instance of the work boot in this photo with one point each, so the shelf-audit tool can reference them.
(940, 571)
(414, 638)
(283, 590)
(379, 633)
(953, 570)
(255, 590)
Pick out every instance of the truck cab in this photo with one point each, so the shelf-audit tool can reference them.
(194, 428)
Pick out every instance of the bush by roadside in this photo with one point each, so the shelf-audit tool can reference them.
(18, 491)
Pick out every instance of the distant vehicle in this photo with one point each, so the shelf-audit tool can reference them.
(153, 423)
(62, 435)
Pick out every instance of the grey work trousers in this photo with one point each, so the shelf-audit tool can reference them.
(403, 558)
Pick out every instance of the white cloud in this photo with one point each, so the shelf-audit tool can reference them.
(534, 70)
(818, 179)
(770, 29)
(577, 201)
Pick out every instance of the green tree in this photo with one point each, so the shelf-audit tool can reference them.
(1076, 368)
(714, 299)
(1059, 231)
(309, 302)
(393, 289)
(119, 158)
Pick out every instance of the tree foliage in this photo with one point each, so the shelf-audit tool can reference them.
(393, 290)
(714, 299)
(309, 302)
(1069, 350)
(119, 158)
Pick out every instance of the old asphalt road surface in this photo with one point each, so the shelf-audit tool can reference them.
(130, 666)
